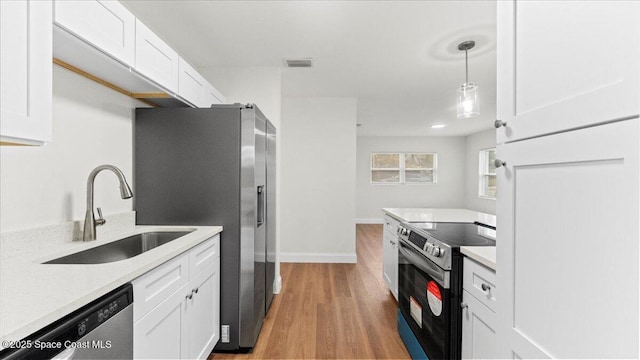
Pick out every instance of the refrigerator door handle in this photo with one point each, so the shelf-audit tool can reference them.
(260, 205)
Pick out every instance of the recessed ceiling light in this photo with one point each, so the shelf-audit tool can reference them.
(438, 126)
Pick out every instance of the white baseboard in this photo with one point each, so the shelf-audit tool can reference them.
(369, 221)
(340, 258)
(277, 285)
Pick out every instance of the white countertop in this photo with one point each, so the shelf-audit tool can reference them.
(440, 215)
(485, 255)
(33, 295)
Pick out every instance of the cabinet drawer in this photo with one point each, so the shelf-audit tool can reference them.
(391, 224)
(480, 282)
(204, 254)
(158, 284)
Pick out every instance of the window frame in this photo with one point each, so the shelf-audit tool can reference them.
(484, 175)
(402, 178)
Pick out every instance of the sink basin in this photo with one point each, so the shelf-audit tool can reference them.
(120, 249)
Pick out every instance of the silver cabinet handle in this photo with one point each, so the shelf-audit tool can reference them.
(195, 290)
(485, 287)
(190, 296)
(261, 205)
(464, 305)
(499, 163)
(499, 123)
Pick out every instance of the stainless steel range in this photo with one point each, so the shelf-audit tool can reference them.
(430, 285)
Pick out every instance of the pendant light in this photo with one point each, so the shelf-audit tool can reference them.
(467, 93)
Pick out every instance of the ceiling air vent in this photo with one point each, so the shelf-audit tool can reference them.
(298, 63)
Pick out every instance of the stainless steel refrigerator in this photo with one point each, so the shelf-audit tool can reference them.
(215, 166)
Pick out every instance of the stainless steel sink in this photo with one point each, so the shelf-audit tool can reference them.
(120, 249)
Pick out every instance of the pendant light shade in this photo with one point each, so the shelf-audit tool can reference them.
(468, 105)
(467, 94)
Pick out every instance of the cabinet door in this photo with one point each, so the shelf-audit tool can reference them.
(387, 250)
(390, 262)
(155, 59)
(191, 84)
(107, 25)
(478, 330)
(567, 244)
(25, 71)
(393, 267)
(212, 96)
(565, 64)
(204, 311)
(163, 332)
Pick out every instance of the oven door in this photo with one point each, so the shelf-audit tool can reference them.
(424, 299)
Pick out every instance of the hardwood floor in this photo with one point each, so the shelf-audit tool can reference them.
(331, 311)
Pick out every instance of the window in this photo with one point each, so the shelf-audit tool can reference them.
(404, 168)
(487, 183)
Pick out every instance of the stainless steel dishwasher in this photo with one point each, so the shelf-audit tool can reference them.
(103, 329)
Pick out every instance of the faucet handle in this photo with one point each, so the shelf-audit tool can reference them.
(100, 221)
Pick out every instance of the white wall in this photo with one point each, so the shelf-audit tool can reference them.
(92, 125)
(259, 85)
(318, 183)
(448, 192)
(475, 143)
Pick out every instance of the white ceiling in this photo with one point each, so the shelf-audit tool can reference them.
(398, 58)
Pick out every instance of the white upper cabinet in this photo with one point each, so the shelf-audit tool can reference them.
(191, 85)
(212, 96)
(137, 61)
(572, 60)
(107, 25)
(155, 59)
(25, 72)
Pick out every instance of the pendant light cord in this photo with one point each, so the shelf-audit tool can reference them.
(466, 67)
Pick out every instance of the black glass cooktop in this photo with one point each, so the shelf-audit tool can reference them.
(457, 234)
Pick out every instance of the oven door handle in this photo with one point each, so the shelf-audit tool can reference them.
(423, 264)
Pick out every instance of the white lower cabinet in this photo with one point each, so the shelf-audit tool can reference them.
(161, 334)
(203, 315)
(390, 254)
(186, 324)
(479, 339)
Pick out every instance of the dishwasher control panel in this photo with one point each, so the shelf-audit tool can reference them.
(69, 331)
(102, 314)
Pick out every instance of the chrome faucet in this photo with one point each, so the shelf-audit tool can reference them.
(90, 221)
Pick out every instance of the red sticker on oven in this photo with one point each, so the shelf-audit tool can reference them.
(434, 298)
